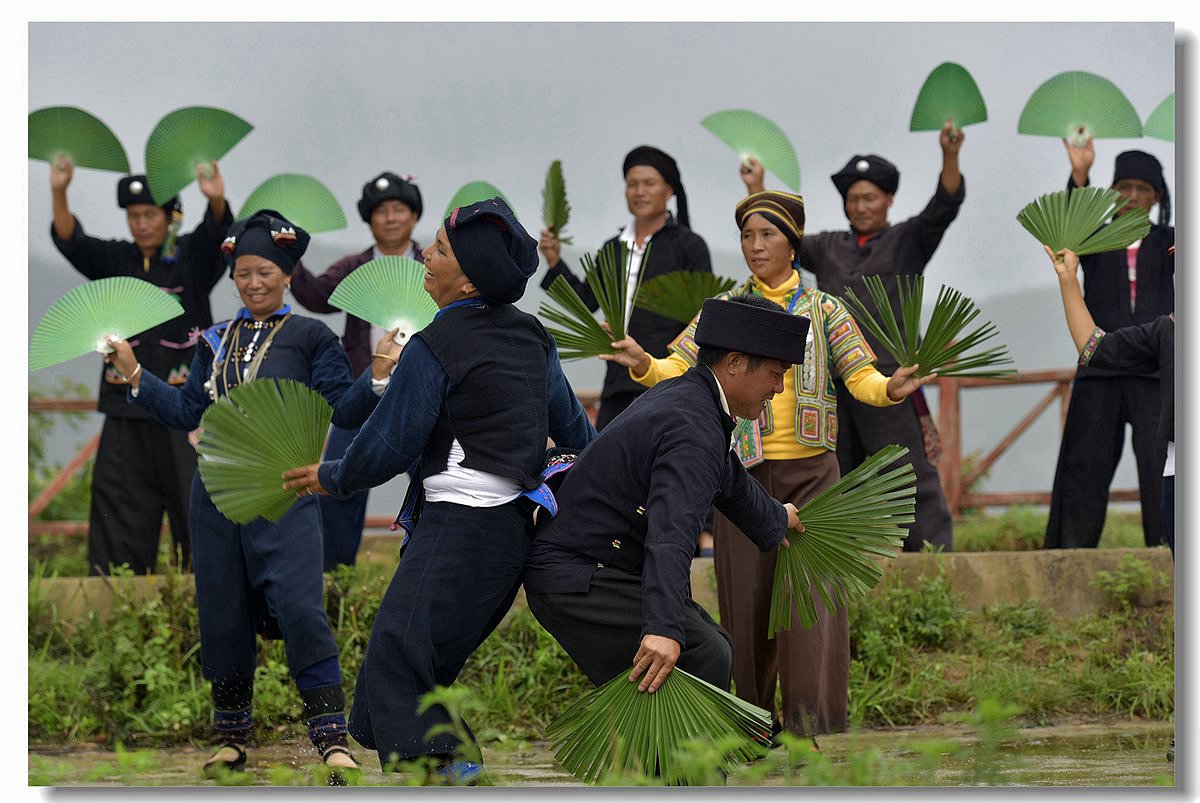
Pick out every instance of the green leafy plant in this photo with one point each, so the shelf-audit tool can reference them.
(616, 728)
(555, 209)
(949, 95)
(87, 316)
(1084, 220)
(82, 138)
(1124, 586)
(388, 292)
(251, 436)
(577, 331)
(680, 294)
(846, 527)
(186, 139)
(301, 199)
(943, 348)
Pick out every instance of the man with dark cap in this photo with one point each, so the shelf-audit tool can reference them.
(874, 247)
(142, 468)
(651, 179)
(1123, 288)
(609, 576)
(472, 400)
(391, 205)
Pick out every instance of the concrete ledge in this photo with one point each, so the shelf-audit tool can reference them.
(1058, 578)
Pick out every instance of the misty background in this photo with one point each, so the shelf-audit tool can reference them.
(456, 102)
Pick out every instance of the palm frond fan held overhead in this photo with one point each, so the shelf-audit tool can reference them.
(81, 138)
(1078, 106)
(87, 316)
(949, 95)
(555, 209)
(300, 198)
(1161, 122)
(185, 139)
(388, 292)
(251, 436)
(1084, 220)
(751, 134)
(472, 192)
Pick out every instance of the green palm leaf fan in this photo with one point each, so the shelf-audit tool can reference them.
(186, 139)
(680, 294)
(1161, 122)
(615, 729)
(472, 192)
(944, 346)
(1079, 106)
(388, 292)
(1084, 220)
(251, 436)
(847, 527)
(85, 141)
(751, 134)
(300, 198)
(575, 330)
(87, 316)
(951, 95)
(555, 209)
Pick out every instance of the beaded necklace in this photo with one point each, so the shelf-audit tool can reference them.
(251, 361)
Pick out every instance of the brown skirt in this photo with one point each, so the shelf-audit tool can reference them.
(812, 664)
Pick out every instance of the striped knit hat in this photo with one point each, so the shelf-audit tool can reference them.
(784, 209)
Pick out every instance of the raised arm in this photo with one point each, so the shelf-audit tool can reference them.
(950, 140)
(61, 173)
(1081, 157)
(1079, 320)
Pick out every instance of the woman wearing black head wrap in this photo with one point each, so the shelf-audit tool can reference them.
(247, 572)
(1123, 288)
(474, 397)
(651, 180)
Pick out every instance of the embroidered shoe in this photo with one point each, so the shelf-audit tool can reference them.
(230, 757)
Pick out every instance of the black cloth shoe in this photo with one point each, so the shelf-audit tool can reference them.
(230, 757)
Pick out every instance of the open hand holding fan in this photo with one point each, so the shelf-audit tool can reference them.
(1078, 106)
(388, 292)
(751, 134)
(300, 198)
(185, 139)
(471, 192)
(1161, 122)
(615, 729)
(1084, 220)
(580, 334)
(943, 347)
(65, 131)
(88, 316)
(251, 436)
(949, 95)
(846, 527)
(555, 209)
(680, 294)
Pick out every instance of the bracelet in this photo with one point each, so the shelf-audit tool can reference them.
(136, 370)
(385, 356)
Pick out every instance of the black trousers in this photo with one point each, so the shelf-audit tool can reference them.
(341, 519)
(142, 470)
(601, 629)
(863, 430)
(1093, 438)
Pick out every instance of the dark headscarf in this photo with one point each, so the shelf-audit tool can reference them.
(736, 326)
(386, 186)
(662, 162)
(872, 168)
(493, 249)
(1144, 167)
(784, 209)
(267, 234)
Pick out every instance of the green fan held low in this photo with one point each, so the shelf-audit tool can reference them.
(1078, 106)
(949, 95)
(847, 528)
(388, 292)
(251, 436)
(1161, 122)
(300, 198)
(87, 316)
(751, 134)
(555, 209)
(472, 192)
(1085, 220)
(575, 330)
(185, 139)
(615, 730)
(945, 348)
(58, 132)
(680, 294)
